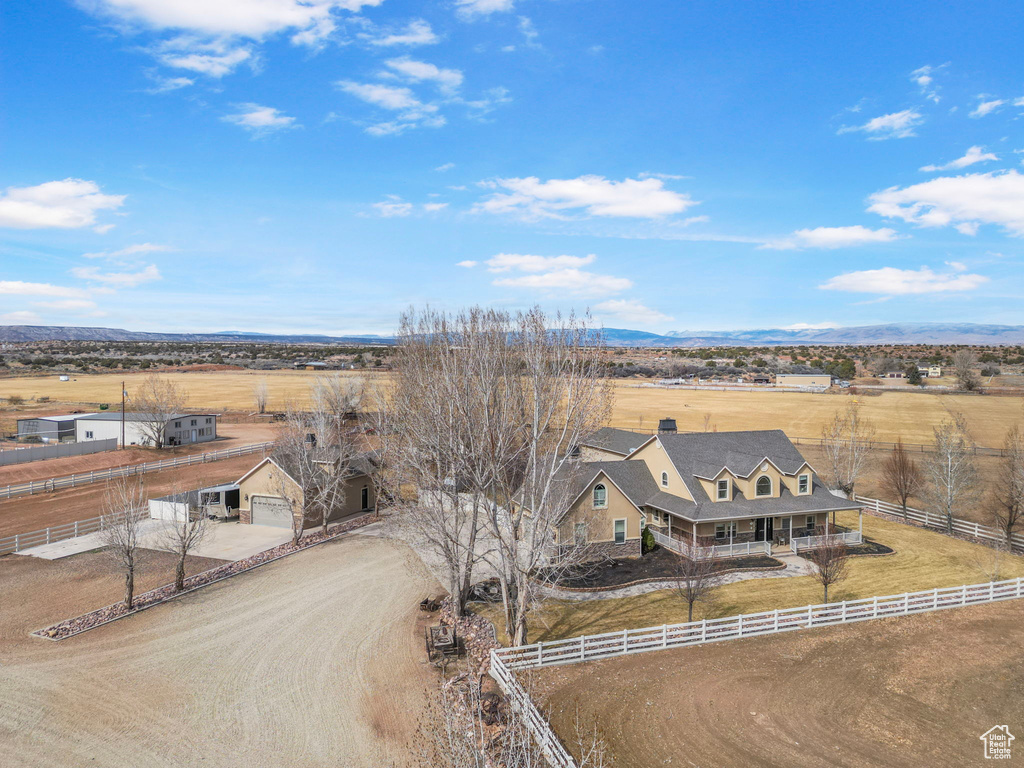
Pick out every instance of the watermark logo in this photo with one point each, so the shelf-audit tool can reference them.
(998, 742)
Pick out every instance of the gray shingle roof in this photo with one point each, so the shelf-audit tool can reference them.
(135, 416)
(620, 441)
(705, 454)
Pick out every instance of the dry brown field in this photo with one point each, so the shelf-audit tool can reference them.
(909, 415)
(314, 660)
(902, 692)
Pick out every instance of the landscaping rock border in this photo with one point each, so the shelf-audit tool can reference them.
(477, 633)
(71, 627)
(612, 587)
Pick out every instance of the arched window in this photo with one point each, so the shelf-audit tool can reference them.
(764, 486)
(600, 496)
(664, 479)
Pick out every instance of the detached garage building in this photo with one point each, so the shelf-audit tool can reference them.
(268, 495)
(179, 429)
(49, 429)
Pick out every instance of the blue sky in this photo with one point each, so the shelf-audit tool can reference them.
(318, 165)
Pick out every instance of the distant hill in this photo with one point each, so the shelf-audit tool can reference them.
(893, 333)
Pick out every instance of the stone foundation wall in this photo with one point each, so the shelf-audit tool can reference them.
(609, 549)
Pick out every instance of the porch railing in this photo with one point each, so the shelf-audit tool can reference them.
(720, 550)
(812, 542)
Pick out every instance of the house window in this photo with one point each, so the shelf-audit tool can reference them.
(764, 486)
(620, 531)
(193, 422)
(88, 435)
(725, 530)
(209, 420)
(600, 497)
(803, 484)
(723, 490)
(177, 423)
(664, 479)
(812, 522)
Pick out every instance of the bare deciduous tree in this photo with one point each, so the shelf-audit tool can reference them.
(156, 401)
(694, 577)
(1009, 507)
(901, 477)
(183, 534)
(123, 503)
(964, 362)
(260, 395)
(846, 440)
(830, 559)
(951, 477)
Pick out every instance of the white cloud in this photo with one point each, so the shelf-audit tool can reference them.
(972, 156)
(506, 262)
(986, 107)
(897, 125)
(890, 281)
(965, 202)
(809, 326)
(393, 208)
(67, 204)
(833, 237)
(130, 250)
(418, 32)
(260, 120)
(445, 167)
(473, 8)
(467, 264)
(245, 18)
(925, 79)
(448, 80)
(19, 288)
(411, 111)
(529, 32)
(574, 281)
(118, 279)
(212, 59)
(20, 318)
(165, 84)
(434, 207)
(594, 195)
(630, 311)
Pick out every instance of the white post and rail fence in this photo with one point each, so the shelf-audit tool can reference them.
(680, 547)
(932, 520)
(506, 661)
(22, 541)
(73, 481)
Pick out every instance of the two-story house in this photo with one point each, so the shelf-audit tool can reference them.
(703, 488)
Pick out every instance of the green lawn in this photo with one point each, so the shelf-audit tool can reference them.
(922, 560)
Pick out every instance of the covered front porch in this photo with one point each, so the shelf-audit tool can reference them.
(778, 534)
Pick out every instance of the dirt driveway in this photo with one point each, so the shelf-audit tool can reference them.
(315, 660)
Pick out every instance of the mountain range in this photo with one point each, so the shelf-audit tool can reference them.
(893, 333)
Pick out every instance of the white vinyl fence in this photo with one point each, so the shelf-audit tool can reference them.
(810, 542)
(932, 520)
(628, 641)
(721, 550)
(72, 481)
(23, 541)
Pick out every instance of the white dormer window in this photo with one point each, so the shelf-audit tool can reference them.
(803, 484)
(723, 490)
(764, 486)
(664, 479)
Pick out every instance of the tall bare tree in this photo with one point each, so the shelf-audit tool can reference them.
(557, 398)
(964, 362)
(260, 395)
(124, 501)
(694, 576)
(1009, 506)
(155, 402)
(184, 534)
(846, 440)
(830, 559)
(950, 472)
(901, 476)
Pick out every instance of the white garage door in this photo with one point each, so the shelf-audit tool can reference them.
(269, 510)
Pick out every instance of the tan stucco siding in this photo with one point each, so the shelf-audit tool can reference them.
(749, 485)
(601, 522)
(792, 481)
(653, 454)
(268, 480)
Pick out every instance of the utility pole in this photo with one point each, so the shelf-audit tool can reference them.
(122, 415)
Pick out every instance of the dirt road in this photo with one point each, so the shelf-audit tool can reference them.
(315, 660)
(903, 693)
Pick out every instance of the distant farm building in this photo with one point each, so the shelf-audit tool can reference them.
(803, 380)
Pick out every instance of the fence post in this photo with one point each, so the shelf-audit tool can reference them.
(664, 627)
(740, 627)
(583, 648)
(810, 616)
(935, 598)
(906, 602)
(76, 529)
(540, 653)
(625, 640)
(843, 615)
(703, 630)
(991, 590)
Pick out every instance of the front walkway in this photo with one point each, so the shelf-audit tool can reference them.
(795, 566)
